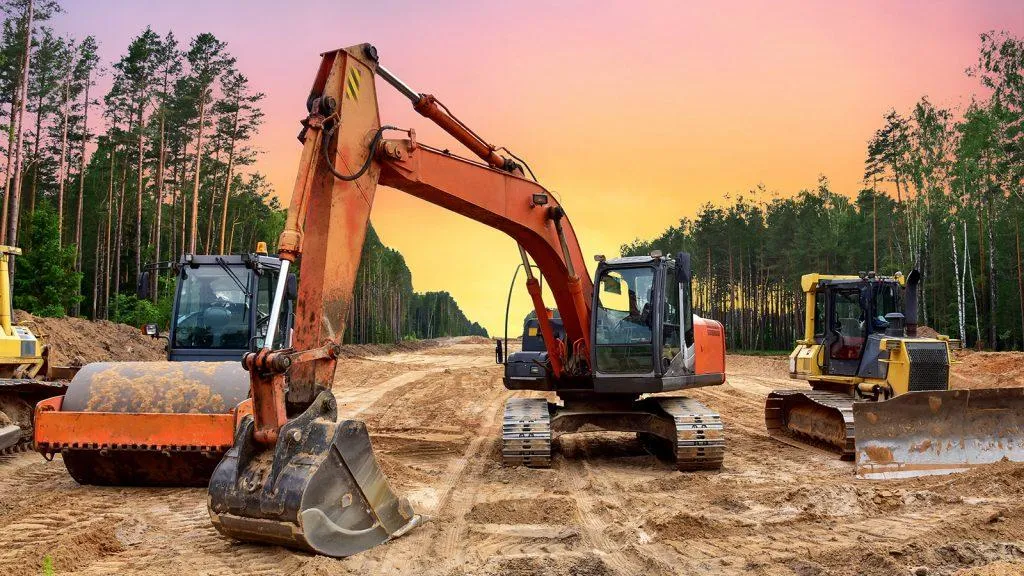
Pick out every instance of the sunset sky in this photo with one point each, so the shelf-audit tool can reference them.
(633, 113)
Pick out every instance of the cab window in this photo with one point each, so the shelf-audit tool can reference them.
(848, 323)
(624, 317)
(671, 340)
(213, 310)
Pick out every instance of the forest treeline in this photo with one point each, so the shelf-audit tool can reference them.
(943, 192)
(385, 308)
(96, 185)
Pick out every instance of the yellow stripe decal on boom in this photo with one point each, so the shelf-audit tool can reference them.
(352, 83)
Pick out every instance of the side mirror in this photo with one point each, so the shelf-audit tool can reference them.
(142, 288)
(151, 330)
(291, 287)
(683, 270)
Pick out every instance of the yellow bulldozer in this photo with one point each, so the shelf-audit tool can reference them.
(880, 389)
(25, 374)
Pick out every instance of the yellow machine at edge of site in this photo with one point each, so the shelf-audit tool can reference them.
(880, 390)
(23, 359)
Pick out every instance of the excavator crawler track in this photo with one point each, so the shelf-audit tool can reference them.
(700, 434)
(815, 417)
(526, 433)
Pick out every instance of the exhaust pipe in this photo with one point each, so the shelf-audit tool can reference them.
(910, 302)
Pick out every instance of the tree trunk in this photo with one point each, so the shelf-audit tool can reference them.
(992, 331)
(208, 243)
(81, 196)
(96, 273)
(227, 183)
(958, 283)
(198, 164)
(61, 177)
(35, 150)
(14, 205)
(138, 192)
(110, 214)
(159, 201)
(7, 165)
(119, 240)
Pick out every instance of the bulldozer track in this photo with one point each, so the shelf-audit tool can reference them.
(826, 405)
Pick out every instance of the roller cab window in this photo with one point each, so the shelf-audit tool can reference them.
(213, 308)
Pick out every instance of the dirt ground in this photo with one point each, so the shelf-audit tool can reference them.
(605, 507)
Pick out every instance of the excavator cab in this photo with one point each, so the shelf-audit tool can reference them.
(643, 327)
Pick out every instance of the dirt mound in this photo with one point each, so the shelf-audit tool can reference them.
(533, 511)
(988, 370)
(76, 341)
(762, 366)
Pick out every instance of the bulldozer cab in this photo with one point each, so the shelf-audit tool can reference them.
(848, 311)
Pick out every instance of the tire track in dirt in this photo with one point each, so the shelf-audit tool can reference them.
(581, 480)
(459, 507)
(445, 511)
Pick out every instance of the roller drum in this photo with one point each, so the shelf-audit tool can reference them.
(139, 389)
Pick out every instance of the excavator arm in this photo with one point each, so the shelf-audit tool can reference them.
(296, 475)
(344, 158)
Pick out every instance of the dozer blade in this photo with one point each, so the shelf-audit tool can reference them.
(319, 489)
(144, 423)
(10, 435)
(924, 433)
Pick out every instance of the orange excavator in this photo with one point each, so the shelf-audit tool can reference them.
(298, 474)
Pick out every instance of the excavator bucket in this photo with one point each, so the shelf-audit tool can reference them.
(144, 423)
(924, 433)
(319, 489)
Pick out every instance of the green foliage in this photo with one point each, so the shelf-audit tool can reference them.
(128, 309)
(45, 281)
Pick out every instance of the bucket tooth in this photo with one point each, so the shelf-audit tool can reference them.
(319, 489)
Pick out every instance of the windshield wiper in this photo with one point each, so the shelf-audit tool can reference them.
(231, 273)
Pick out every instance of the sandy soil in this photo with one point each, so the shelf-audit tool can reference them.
(605, 507)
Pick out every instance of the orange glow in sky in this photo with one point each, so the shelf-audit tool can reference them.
(633, 113)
